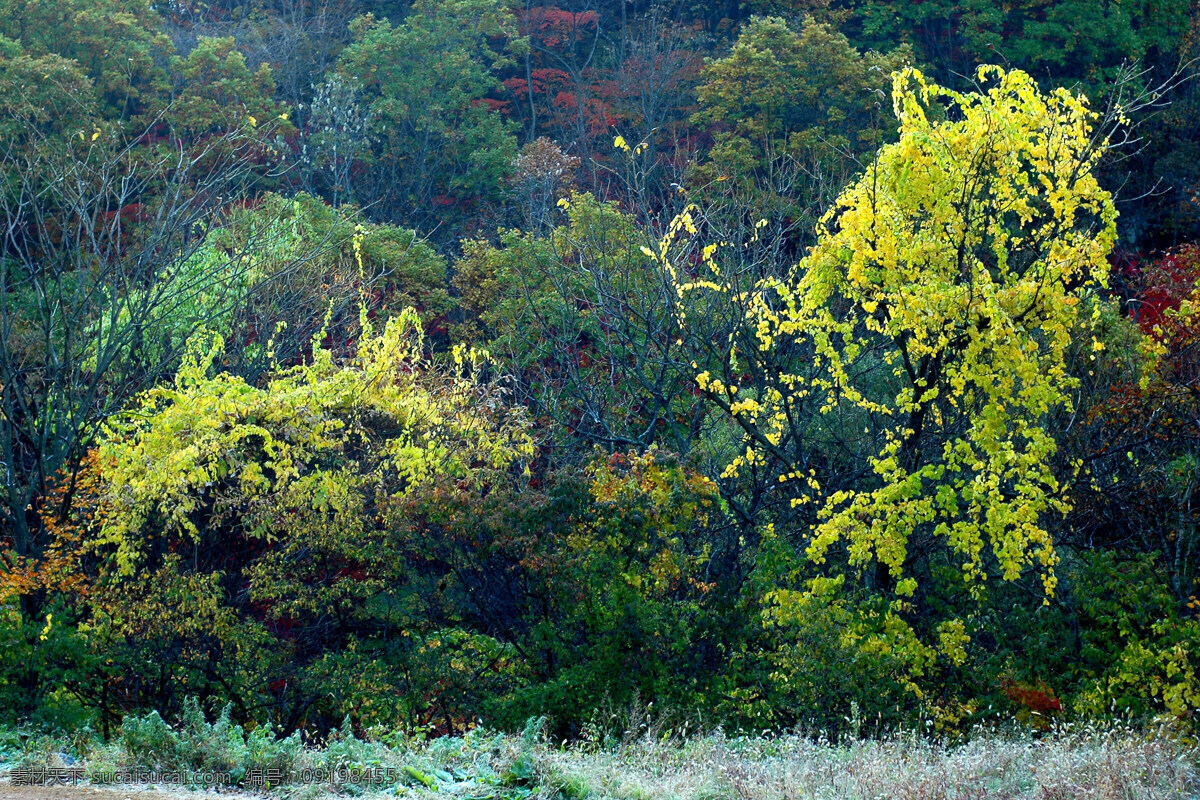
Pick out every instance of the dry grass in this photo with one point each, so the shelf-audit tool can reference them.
(1084, 763)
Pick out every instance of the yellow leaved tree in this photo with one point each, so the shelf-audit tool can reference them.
(925, 337)
(306, 453)
(220, 526)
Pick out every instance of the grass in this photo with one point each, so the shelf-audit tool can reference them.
(1092, 761)
(1085, 763)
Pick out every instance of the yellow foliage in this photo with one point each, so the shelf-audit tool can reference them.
(316, 443)
(937, 304)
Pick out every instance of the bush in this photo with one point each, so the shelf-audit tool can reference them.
(149, 742)
(212, 747)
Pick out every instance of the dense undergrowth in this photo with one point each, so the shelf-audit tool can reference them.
(630, 757)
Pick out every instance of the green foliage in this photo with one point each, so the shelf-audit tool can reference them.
(339, 256)
(426, 81)
(636, 605)
(792, 92)
(276, 274)
(218, 746)
(587, 326)
(207, 288)
(827, 652)
(53, 649)
(120, 46)
(1084, 40)
(266, 750)
(218, 93)
(198, 746)
(149, 741)
(428, 676)
(1140, 654)
(1159, 675)
(44, 95)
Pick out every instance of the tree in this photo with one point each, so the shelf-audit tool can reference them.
(217, 93)
(41, 96)
(1138, 437)
(558, 91)
(541, 174)
(657, 76)
(786, 91)
(587, 326)
(299, 39)
(427, 82)
(96, 254)
(118, 44)
(1079, 40)
(336, 134)
(243, 540)
(633, 599)
(278, 273)
(933, 316)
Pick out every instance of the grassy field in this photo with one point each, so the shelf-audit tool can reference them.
(648, 764)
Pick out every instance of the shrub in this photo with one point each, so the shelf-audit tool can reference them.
(149, 742)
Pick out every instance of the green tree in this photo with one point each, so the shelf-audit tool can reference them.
(426, 81)
(638, 601)
(781, 91)
(587, 326)
(296, 266)
(41, 96)
(216, 92)
(119, 44)
(1077, 40)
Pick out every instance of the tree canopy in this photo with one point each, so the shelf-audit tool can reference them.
(397, 366)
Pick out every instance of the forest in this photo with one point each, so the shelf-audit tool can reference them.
(776, 364)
